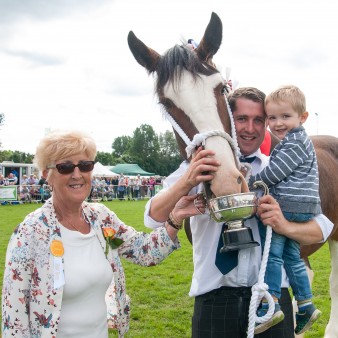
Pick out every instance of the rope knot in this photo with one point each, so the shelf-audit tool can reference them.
(260, 288)
(196, 141)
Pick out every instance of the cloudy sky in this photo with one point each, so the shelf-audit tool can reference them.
(66, 64)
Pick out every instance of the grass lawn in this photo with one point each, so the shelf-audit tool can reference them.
(160, 305)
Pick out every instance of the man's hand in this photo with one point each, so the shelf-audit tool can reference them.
(201, 168)
(271, 214)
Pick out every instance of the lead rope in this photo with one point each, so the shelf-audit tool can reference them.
(260, 289)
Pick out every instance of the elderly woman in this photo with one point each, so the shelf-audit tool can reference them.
(63, 267)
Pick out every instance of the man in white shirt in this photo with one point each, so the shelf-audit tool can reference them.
(222, 300)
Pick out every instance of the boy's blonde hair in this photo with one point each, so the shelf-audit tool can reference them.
(290, 94)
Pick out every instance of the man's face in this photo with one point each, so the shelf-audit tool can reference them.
(250, 125)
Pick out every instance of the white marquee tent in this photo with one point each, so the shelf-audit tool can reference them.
(102, 171)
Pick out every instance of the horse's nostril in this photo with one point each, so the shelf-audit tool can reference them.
(239, 180)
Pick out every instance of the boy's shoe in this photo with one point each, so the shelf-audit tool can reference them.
(306, 318)
(276, 318)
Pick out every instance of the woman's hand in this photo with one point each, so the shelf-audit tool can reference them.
(189, 206)
(201, 168)
(186, 207)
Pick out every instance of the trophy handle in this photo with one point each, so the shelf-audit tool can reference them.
(261, 184)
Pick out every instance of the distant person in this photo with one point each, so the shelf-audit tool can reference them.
(24, 179)
(31, 180)
(292, 178)
(130, 188)
(15, 173)
(24, 193)
(152, 183)
(63, 261)
(127, 192)
(12, 179)
(137, 187)
(115, 183)
(42, 182)
(144, 188)
(121, 187)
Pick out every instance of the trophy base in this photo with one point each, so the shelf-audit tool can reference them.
(238, 239)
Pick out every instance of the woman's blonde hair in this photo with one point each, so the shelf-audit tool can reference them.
(62, 144)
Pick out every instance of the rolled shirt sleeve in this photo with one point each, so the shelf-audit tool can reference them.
(325, 225)
(148, 221)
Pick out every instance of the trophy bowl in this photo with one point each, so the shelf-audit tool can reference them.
(233, 210)
(233, 207)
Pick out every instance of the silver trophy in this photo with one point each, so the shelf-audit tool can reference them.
(233, 210)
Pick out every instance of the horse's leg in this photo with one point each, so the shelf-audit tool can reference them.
(310, 274)
(332, 327)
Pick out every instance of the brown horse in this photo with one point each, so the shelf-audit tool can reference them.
(191, 91)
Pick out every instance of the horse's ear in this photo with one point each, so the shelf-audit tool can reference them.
(211, 40)
(145, 56)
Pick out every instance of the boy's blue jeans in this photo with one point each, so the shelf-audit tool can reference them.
(284, 250)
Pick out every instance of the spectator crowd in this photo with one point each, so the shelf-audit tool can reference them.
(122, 187)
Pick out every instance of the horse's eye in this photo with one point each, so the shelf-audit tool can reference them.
(166, 103)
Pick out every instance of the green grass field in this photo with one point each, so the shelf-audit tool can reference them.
(160, 305)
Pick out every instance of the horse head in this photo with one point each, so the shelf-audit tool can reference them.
(193, 94)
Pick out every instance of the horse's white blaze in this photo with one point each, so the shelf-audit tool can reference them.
(332, 327)
(197, 100)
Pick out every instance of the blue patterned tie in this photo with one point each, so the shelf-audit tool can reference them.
(247, 159)
(225, 261)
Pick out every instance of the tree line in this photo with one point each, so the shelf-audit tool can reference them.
(157, 153)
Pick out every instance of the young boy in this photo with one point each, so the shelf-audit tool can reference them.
(292, 178)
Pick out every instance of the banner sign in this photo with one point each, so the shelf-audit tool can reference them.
(8, 193)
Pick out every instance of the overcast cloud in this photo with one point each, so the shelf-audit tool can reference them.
(66, 64)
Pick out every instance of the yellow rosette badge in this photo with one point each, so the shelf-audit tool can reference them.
(56, 248)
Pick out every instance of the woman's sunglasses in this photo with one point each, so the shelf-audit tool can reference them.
(68, 168)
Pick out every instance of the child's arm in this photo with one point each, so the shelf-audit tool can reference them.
(282, 163)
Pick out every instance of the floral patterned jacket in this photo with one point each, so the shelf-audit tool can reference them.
(31, 298)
